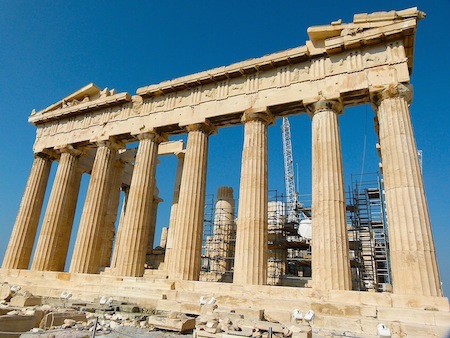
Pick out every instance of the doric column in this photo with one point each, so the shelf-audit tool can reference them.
(250, 263)
(330, 261)
(86, 254)
(126, 190)
(224, 231)
(135, 228)
(53, 243)
(185, 258)
(151, 232)
(173, 209)
(413, 256)
(111, 214)
(21, 243)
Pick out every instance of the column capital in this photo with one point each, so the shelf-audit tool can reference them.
(70, 149)
(45, 155)
(324, 104)
(206, 127)
(152, 135)
(258, 115)
(111, 144)
(378, 94)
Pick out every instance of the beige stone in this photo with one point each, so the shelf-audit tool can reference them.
(181, 324)
(413, 256)
(86, 256)
(16, 323)
(19, 249)
(330, 262)
(56, 228)
(277, 316)
(53, 319)
(250, 263)
(186, 253)
(25, 300)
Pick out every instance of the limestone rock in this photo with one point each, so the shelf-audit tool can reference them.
(57, 318)
(172, 324)
(27, 299)
(5, 292)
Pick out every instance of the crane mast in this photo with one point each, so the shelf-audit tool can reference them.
(291, 194)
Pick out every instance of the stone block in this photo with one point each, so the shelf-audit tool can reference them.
(57, 318)
(250, 313)
(277, 316)
(25, 300)
(5, 292)
(181, 324)
(344, 310)
(231, 316)
(407, 316)
(420, 302)
(191, 308)
(16, 323)
(207, 308)
(264, 326)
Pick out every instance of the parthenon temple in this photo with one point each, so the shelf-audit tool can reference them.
(367, 61)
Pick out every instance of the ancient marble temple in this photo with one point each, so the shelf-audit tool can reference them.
(368, 61)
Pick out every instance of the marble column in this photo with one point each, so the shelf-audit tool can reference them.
(53, 243)
(224, 231)
(412, 251)
(86, 255)
(173, 209)
(22, 239)
(151, 232)
(126, 190)
(330, 260)
(185, 258)
(250, 263)
(111, 214)
(135, 227)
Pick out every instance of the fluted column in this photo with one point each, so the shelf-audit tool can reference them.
(185, 258)
(86, 254)
(111, 214)
(21, 243)
(250, 263)
(126, 190)
(173, 209)
(135, 227)
(413, 256)
(152, 228)
(330, 261)
(53, 243)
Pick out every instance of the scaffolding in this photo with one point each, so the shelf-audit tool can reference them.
(367, 216)
(289, 246)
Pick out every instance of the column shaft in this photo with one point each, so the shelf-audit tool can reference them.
(173, 210)
(250, 264)
(134, 230)
(330, 262)
(126, 190)
(187, 244)
(86, 254)
(22, 239)
(413, 256)
(53, 243)
(111, 214)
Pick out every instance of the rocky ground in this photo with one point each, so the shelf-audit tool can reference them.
(25, 315)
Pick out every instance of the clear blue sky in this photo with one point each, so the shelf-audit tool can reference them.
(50, 49)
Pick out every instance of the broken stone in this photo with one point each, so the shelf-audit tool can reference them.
(277, 316)
(172, 324)
(5, 292)
(27, 299)
(208, 308)
(57, 318)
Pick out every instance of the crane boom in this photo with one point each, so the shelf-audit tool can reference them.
(291, 194)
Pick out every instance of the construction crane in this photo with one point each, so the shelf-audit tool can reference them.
(293, 205)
